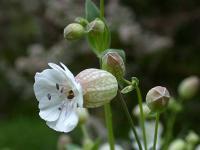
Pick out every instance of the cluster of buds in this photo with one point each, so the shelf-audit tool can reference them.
(82, 27)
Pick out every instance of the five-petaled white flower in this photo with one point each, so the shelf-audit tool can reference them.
(59, 95)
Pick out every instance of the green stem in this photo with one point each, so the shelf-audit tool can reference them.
(156, 131)
(101, 9)
(84, 130)
(129, 119)
(141, 116)
(169, 130)
(108, 117)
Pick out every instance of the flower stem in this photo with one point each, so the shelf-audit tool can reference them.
(169, 130)
(156, 131)
(129, 119)
(141, 116)
(84, 130)
(108, 117)
(101, 9)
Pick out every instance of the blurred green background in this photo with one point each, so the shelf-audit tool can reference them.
(161, 40)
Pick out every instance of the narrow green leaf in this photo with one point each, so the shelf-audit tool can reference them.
(91, 10)
(127, 89)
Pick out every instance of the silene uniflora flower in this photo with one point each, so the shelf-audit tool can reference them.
(59, 95)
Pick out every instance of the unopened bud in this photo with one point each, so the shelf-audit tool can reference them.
(96, 26)
(177, 144)
(146, 110)
(73, 31)
(189, 87)
(192, 138)
(99, 87)
(113, 63)
(157, 98)
(82, 114)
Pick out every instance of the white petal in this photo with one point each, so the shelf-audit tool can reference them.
(66, 122)
(50, 113)
(67, 73)
(78, 95)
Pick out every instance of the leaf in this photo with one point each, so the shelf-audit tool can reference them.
(91, 10)
(99, 43)
(127, 89)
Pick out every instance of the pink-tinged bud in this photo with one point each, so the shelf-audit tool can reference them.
(113, 63)
(99, 87)
(157, 98)
(189, 87)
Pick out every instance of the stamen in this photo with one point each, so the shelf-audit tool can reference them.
(49, 96)
(57, 86)
(70, 94)
(62, 89)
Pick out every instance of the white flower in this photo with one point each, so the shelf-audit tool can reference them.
(149, 127)
(59, 95)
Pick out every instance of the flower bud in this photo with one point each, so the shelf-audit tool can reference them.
(192, 138)
(99, 87)
(177, 144)
(113, 63)
(82, 114)
(96, 26)
(73, 31)
(189, 87)
(157, 98)
(146, 110)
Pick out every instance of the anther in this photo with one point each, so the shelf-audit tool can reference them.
(57, 86)
(62, 89)
(70, 94)
(49, 96)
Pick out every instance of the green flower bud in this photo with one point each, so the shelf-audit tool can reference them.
(157, 98)
(189, 87)
(146, 110)
(178, 144)
(192, 138)
(113, 63)
(73, 31)
(99, 87)
(82, 114)
(96, 26)
(81, 21)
